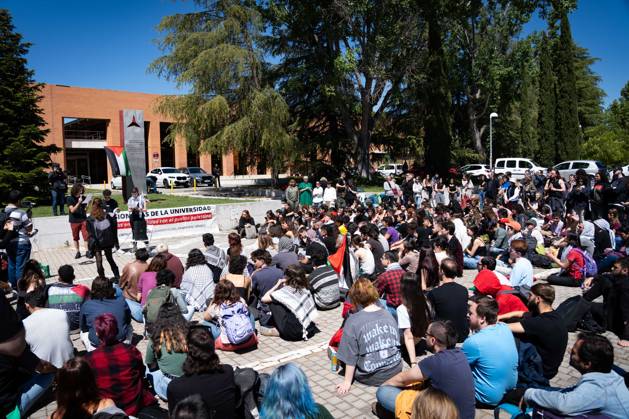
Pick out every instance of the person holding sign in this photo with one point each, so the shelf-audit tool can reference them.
(137, 209)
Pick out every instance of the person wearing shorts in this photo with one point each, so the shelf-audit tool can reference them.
(77, 215)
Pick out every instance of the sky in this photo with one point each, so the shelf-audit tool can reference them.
(109, 44)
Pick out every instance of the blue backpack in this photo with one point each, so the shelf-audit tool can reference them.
(589, 268)
(236, 323)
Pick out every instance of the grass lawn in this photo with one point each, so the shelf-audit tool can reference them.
(157, 201)
(373, 189)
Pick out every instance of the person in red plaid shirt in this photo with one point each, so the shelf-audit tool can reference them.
(389, 282)
(118, 369)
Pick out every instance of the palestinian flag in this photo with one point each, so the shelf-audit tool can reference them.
(117, 157)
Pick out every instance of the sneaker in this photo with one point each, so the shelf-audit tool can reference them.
(78, 255)
(269, 331)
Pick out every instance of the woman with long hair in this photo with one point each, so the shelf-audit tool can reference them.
(475, 250)
(32, 278)
(236, 268)
(288, 395)
(235, 244)
(102, 238)
(77, 394)
(431, 403)
(167, 348)
(599, 196)
(198, 282)
(265, 242)
(148, 278)
(245, 219)
(205, 375)
(366, 261)
(413, 314)
(409, 256)
(429, 266)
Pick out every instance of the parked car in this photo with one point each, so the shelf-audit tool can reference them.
(570, 167)
(116, 182)
(390, 169)
(167, 176)
(201, 176)
(474, 170)
(516, 166)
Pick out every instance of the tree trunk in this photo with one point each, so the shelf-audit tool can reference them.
(475, 132)
(362, 153)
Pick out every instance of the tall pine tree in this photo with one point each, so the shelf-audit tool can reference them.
(547, 148)
(567, 116)
(23, 156)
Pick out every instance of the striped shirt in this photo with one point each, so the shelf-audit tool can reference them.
(324, 283)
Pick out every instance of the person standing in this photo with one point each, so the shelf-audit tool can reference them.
(110, 206)
(19, 248)
(317, 195)
(216, 172)
(292, 195)
(305, 192)
(58, 187)
(77, 215)
(137, 209)
(101, 232)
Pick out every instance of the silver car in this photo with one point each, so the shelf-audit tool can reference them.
(570, 167)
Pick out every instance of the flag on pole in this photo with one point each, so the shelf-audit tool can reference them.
(117, 157)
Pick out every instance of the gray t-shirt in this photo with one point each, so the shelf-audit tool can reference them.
(48, 335)
(371, 342)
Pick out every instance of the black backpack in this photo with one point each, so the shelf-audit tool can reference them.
(573, 310)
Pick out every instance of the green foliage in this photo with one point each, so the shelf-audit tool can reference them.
(232, 105)
(23, 157)
(547, 102)
(568, 132)
(607, 145)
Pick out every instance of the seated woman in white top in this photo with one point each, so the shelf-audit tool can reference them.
(364, 255)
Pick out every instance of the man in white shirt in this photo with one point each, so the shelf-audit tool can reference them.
(47, 330)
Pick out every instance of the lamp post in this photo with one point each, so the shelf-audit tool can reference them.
(491, 140)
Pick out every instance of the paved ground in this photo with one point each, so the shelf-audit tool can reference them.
(310, 355)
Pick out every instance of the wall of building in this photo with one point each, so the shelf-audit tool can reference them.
(60, 102)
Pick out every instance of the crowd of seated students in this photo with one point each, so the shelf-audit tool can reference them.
(394, 268)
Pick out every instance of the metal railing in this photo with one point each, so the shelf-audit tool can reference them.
(84, 134)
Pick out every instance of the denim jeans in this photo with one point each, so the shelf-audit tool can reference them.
(19, 254)
(470, 262)
(386, 396)
(32, 390)
(136, 310)
(390, 309)
(160, 383)
(58, 201)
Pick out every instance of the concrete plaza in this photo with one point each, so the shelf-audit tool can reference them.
(309, 355)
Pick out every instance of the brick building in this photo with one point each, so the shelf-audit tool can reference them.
(83, 120)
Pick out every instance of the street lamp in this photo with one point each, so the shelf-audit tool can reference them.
(491, 140)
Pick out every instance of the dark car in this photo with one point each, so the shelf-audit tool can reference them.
(198, 174)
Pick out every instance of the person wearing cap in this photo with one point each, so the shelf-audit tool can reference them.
(66, 296)
(172, 262)
(522, 270)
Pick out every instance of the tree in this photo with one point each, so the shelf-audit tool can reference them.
(547, 104)
(567, 125)
(231, 105)
(589, 94)
(23, 157)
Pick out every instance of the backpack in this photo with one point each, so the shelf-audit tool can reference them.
(589, 268)
(522, 293)
(157, 296)
(252, 386)
(573, 310)
(250, 231)
(236, 323)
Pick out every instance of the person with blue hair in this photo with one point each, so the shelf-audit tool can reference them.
(288, 395)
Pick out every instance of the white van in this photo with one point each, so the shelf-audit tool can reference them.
(390, 169)
(516, 166)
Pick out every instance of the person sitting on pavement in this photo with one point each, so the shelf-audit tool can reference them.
(129, 282)
(491, 352)
(67, 296)
(205, 375)
(242, 282)
(118, 368)
(77, 393)
(292, 307)
(324, 282)
(413, 316)
(285, 255)
(432, 403)
(544, 328)
(162, 293)
(215, 256)
(449, 299)
(167, 350)
(148, 278)
(487, 283)
(229, 319)
(599, 391)
(104, 300)
(172, 262)
(198, 281)
(47, 330)
(370, 344)
(388, 282)
(521, 270)
(447, 371)
(263, 278)
(288, 395)
(572, 268)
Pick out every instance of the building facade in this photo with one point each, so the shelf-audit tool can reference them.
(82, 121)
